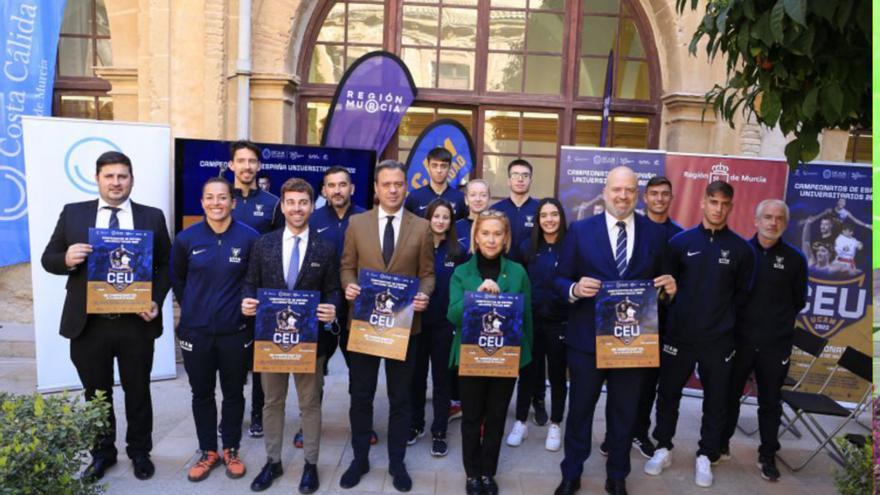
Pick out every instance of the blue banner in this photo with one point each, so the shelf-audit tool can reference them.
(445, 133)
(27, 73)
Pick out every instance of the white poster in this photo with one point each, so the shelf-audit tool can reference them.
(60, 159)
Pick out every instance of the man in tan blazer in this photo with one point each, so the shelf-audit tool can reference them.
(388, 239)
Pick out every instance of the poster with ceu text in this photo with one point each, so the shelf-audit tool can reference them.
(491, 334)
(626, 325)
(831, 223)
(120, 271)
(286, 331)
(383, 314)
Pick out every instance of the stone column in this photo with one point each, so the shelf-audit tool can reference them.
(123, 90)
(272, 109)
(686, 128)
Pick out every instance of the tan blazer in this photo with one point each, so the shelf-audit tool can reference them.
(413, 253)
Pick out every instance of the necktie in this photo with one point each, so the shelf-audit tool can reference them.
(114, 217)
(620, 253)
(293, 268)
(388, 241)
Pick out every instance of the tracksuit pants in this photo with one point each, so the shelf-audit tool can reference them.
(549, 344)
(433, 345)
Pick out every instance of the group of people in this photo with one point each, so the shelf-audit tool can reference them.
(727, 307)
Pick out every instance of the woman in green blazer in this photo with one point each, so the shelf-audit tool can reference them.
(484, 400)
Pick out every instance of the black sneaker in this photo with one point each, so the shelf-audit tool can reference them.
(540, 418)
(414, 435)
(603, 448)
(438, 445)
(767, 465)
(256, 429)
(644, 446)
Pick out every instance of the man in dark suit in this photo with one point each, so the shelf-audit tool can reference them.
(96, 339)
(294, 258)
(389, 239)
(616, 245)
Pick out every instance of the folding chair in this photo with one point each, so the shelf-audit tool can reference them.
(806, 405)
(811, 344)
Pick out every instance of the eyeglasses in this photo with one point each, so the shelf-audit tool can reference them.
(492, 213)
(520, 175)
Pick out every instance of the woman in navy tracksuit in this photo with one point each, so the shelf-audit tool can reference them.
(435, 340)
(540, 255)
(208, 264)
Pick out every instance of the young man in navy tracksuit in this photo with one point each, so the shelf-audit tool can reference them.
(208, 265)
(714, 268)
(439, 165)
(520, 208)
(765, 330)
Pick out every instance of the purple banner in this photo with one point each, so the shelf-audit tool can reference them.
(369, 103)
(583, 171)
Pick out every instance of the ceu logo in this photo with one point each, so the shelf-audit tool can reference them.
(720, 172)
(258, 210)
(13, 205)
(725, 257)
(491, 336)
(286, 329)
(779, 263)
(382, 316)
(120, 275)
(530, 221)
(235, 255)
(626, 326)
(79, 162)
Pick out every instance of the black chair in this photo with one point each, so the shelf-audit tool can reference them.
(807, 405)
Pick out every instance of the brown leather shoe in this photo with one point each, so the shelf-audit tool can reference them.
(200, 470)
(234, 466)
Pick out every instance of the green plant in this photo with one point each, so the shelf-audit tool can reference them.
(804, 64)
(44, 441)
(857, 475)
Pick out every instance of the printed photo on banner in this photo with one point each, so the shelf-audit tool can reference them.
(491, 332)
(627, 333)
(383, 314)
(120, 271)
(286, 331)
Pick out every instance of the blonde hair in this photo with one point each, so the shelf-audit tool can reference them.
(491, 214)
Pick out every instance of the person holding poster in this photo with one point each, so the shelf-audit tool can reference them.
(208, 264)
(484, 399)
(439, 164)
(392, 240)
(256, 208)
(541, 257)
(616, 245)
(97, 339)
(765, 331)
(476, 197)
(714, 267)
(294, 258)
(520, 208)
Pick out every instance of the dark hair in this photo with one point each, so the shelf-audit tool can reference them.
(217, 180)
(537, 237)
(521, 162)
(658, 180)
(336, 169)
(112, 158)
(440, 154)
(297, 185)
(263, 175)
(389, 165)
(243, 144)
(453, 248)
(719, 187)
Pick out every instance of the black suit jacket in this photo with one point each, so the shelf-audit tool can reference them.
(319, 271)
(73, 227)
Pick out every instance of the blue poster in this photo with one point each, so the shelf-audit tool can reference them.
(29, 32)
(196, 160)
(627, 330)
(445, 133)
(583, 170)
(491, 334)
(383, 313)
(286, 331)
(119, 271)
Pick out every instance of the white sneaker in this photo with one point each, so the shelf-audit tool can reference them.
(554, 438)
(517, 434)
(703, 472)
(661, 459)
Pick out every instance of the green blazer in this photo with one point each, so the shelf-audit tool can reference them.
(512, 280)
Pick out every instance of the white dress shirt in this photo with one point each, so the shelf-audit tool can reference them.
(613, 231)
(383, 220)
(126, 221)
(287, 248)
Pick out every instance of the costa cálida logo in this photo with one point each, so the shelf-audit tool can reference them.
(382, 316)
(626, 324)
(286, 329)
(491, 336)
(121, 274)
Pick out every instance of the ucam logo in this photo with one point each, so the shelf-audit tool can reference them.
(12, 194)
(79, 162)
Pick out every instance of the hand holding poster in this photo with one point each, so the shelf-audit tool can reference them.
(383, 314)
(120, 271)
(626, 325)
(286, 333)
(491, 332)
